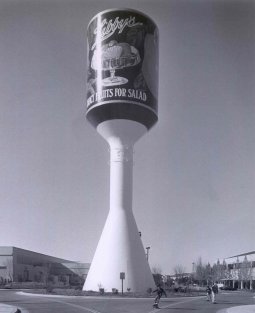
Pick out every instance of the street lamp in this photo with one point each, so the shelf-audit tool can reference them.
(193, 267)
(147, 253)
(193, 272)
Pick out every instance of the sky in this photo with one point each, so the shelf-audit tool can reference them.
(194, 177)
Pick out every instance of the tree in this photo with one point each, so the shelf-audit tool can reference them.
(179, 271)
(156, 269)
(208, 273)
(217, 271)
(200, 273)
(157, 274)
(226, 271)
(245, 272)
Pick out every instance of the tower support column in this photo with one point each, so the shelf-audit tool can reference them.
(120, 247)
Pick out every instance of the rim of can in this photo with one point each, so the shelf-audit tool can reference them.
(122, 9)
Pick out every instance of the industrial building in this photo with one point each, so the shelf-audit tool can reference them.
(231, 273)
(240, 271)
(24, 266)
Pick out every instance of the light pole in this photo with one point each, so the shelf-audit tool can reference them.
(147, 253)
(193, 272)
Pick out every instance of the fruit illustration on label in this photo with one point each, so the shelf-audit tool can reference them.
(112, 56)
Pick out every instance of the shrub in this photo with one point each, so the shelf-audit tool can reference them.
(115, 291)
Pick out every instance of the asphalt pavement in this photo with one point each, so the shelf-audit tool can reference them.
(227, 302)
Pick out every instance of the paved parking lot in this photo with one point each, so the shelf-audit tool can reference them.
(48, 304)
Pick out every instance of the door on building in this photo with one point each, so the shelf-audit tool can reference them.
(26, 274)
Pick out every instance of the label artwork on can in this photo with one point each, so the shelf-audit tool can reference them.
(122, 59)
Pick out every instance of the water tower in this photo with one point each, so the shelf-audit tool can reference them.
(122, 106)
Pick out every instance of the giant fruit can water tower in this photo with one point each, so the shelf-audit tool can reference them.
(122, 93)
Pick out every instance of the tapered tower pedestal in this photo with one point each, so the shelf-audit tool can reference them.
(120, 248)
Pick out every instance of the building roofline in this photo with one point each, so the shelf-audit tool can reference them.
(60, 260)
(243, 254)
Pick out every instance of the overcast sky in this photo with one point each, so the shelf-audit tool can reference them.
(194, 176)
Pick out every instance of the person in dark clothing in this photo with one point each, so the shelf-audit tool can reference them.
(160, 291)
(208, 293)
(215, 290)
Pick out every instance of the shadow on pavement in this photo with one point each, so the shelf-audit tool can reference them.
(186, 309)
(231, 302)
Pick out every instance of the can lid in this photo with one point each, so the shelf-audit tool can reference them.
(122, 9)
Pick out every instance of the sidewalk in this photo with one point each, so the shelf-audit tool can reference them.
(239, 309)
(8, 308)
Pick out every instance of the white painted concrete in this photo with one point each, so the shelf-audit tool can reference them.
(120, 247)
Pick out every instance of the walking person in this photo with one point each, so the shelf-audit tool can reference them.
(160, 291)
(208, 293)
(215, 290)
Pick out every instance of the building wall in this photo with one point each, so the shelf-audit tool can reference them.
(20, 265)
(6, 264)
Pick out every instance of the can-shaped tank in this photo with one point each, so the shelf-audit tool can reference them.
(122, 78)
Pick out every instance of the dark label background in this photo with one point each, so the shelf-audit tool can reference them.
(142, 79)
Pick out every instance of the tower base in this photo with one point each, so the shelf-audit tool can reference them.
(119, 250)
